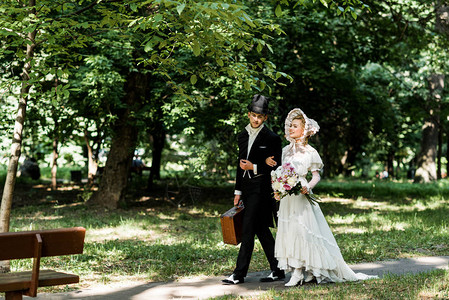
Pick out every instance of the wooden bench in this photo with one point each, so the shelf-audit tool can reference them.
(37, 244)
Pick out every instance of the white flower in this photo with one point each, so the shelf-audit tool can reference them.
(276, 185)
(292, 181)
(278, 171)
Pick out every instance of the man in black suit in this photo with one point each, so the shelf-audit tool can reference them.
(253, 187)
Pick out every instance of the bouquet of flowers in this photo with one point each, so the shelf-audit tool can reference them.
(285, 181)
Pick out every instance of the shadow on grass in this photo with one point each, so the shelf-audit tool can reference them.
(150, 260)
(37, 194)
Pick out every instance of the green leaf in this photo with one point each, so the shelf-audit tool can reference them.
(193, 79)
(248, 20)
(157, 18)
(180, 8)
(151, 43)
(324, 3)
(196, 48)
(278, 11)
(220, 62)
(354, 15)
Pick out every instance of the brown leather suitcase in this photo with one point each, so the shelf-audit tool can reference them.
(231, 225)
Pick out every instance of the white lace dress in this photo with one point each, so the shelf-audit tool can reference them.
(304, 239)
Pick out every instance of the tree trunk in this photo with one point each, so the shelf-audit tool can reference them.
(441, 26)
(411, 169)
(390, 164)
(158, 136)
(115, 176)
(426, 171)
(326, 160)
(158, 146)
(439, 152)
(342, 163)
(8, 190)
(92, 164)
(348, 161)
(54, 165)
(442, 18)
(447, 153)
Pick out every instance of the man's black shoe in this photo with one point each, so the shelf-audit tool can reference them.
(233, 280)
(278, 275)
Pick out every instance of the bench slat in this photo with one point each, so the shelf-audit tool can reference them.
(20, 281)
(55, 242)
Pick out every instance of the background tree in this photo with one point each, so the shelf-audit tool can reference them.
(27, 40)
(167, 31)
(431, 138)
(97, 89)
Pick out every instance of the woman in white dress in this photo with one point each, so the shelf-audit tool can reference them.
(305, 244)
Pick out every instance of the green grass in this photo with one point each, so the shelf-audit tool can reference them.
(384, 189)
(145, 243)
(151, 240)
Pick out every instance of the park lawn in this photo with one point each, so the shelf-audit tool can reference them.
(151, 240)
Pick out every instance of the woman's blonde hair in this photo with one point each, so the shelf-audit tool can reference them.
(300, 117)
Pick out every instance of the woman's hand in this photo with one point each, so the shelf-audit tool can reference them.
(276, 196)
(269, 161)
(304, 190)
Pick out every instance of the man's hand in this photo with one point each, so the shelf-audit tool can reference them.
(246, 165)
(236, 200)
(270, 161)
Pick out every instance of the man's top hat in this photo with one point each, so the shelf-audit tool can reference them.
(259, 104)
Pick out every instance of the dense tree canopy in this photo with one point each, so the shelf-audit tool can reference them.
(174, 78)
